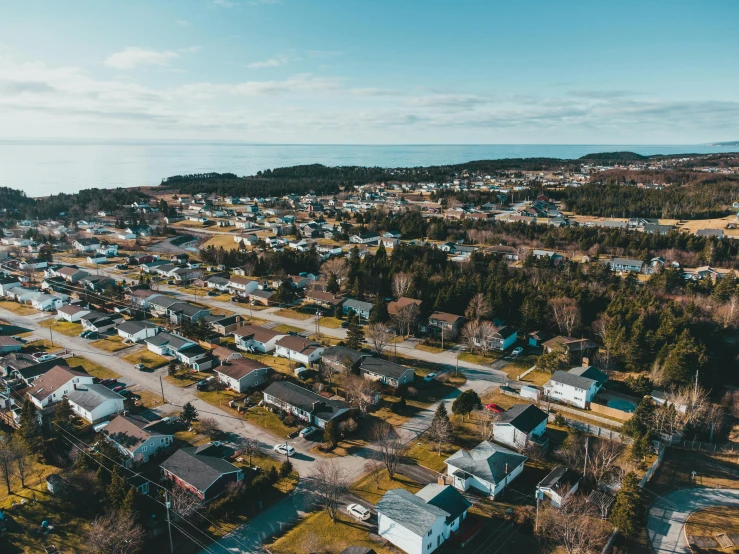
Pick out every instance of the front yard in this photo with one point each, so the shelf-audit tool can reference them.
(146, 357)
(91, 368)
(111, 344)
(293, 314)
(61, 326)
(17, 309)
(285, 328)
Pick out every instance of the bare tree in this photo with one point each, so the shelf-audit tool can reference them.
(249, 447)
(209, 427)
(603, 458)
(390, 447)
(374, 468)
(440, 432)
(401, 284)
(478, 308)
(184, 504)
(360, 392)
(566, 314)
(470, 335)
(338, 267)
(330, 366)
(727, 314)
(379, 336)
(572, 526)
(407, 317)
(8, 454)
(24, 456)
(114, 533)
(487, 332)
(600, 328)
(330, 484)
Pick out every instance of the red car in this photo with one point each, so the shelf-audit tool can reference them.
(494, 408)
(121, 387)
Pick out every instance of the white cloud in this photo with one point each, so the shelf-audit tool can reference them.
(134, 56)
(275, 61)
(183, 22)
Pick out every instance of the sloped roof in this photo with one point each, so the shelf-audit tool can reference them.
(383, 367)
(131, 431)
(524, 417)
(132, 327)
(445, 497)
(198, 466)
(52, 380)
(306, 400)
(410, 511)
(91, 396)
(298, 344)
(486, 461)
(571, 379)
(258, 333)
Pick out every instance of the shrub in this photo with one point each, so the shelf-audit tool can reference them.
(289, 420)
(272, 475)
(349, 427)
(286, 468)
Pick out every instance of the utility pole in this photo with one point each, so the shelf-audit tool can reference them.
(161, 384)
(168, 504)
(585, 465)
(696, 386)
(51, 334)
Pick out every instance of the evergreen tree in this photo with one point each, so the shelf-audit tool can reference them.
(640, 423)
(286, 468)
(379, 311)
(339, 312)
(331, 434)
(465, 403)
(441, 412)
(332, 285)
(116, 490)
(354, 334)
(189, 413)
(628, 513)
(685, 358)
(30, 426)
(129, 501)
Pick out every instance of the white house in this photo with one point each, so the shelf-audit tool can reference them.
(487, 467)
(242, 285)
(420, 523)
(72, 314)
(136, 331)
(306, 405)
(48, 302)
(365, 238)
(100, 322)
(577, 386)
(56, 383)
(254, 337)
(167, 344)
(558, 485)
(86, 245)
(138, 438)
(8, 283)
(520, 424)
(238, 373)
(298, 349)
(94, 402)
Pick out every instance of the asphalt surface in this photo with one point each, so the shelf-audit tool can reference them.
(668, 514)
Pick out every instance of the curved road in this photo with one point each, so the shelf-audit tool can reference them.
(668, 514)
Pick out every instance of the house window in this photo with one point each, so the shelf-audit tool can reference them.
(430, 532)
(438, 540)
(144, 449)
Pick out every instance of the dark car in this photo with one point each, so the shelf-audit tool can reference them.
(201, 384)
(344, 324)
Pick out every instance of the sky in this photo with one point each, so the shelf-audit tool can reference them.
(371, 71)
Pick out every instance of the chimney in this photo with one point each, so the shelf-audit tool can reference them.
(585, 361)
(441, 480)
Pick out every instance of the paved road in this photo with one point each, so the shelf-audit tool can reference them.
(667, 516)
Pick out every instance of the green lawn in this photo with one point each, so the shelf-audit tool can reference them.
(479, 358)
(146, 357)
(331, 322)
(429, 348)
(185, 378)
(92, 368)
(61, 326)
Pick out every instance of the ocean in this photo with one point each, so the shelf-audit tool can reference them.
(42, 167)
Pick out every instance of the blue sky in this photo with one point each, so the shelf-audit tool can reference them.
(371, 71)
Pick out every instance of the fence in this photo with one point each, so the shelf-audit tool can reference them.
(706, 446)
(655, 465)
(610, 412)
(593, 429)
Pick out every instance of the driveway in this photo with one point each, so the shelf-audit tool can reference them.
(668, 514)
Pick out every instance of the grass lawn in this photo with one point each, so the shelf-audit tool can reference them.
(281, 365)
(225, 241)
(325, 340)
(293, 314)
(285, 328)
(185, 378)
(479, 358)
(317, 533)
(148, 399)
(520, 364)
(63, 327)
(427, 455)
(429, 348)
(146, 357)
(17, 309)
(111, 344)
(247, 320)
(91, 368)
(331, 322)
(712, 470)
(370, 490)
(536, 377)
(41, 345)
(711, 521)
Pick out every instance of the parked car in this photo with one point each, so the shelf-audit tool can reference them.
(284, 449)
(517, 351)
(42, 356)
(200, 385)
(107, 382)
(140, 367)
(358, 511)
(119, 388)
(127, 393)
(213, 293)
(93, 335)
(430, 377)
(305, 431)
(121, 266)
(494, 408)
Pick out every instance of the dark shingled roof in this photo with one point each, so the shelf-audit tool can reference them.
(560, 475)
(486, 461)
(341, 353)
(524, 417)
(383, 367)
(305, 399)
(198, 466)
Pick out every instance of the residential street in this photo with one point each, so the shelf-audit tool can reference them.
(667, 516)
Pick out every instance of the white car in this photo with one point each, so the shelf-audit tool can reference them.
(430, 377)
(360, 512)
(308, 431)
(284, 449)
(517, 351)
(43, 356)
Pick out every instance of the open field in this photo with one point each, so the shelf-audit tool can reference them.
(92, 368)
(226, 242)
(17, 309)
(61, 326)
(693, 225)
(293, 314)
(146, 357)
(111, 344)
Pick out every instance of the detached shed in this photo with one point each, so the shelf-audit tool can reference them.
(55, 484)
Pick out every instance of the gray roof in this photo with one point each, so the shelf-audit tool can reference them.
(486, 461)
(306, 400)
(168, 339)
(132, 327)
(357, 305)
(572, 380)
(589, 372)
(560, 475)
(198, 466)
(626, 261)
(341, 353)
(445, 497)
(524, 417)
(91, 396)
(164, 301)
(409, 511)
(382, 367)
(187, 308)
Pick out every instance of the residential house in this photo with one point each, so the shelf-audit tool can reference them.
(86, 245)
(49, 302)
(323, 299)
(386, 372)
(100, 322)
(184, 311)
(343, 359)
(365, 238)
(137, 331)
(160, 305)
(305, 404)
(256, 338)
(359, 307)
(242, 286)
(9, 344)
(18, 365)
(141, 297)
(138, 438)
(70, 273)
(97, 283)
(238, 373)
(442, 322)
(520, 424)
(488, 468)
(577, 386)
(262, 297)
(298, 349)
(93, 402)
(8, 283)
(555, 257)
(558, 485)
(717, 233)
(579, 351)
(624, 265)
(55, 384)
(402, 303)
(201, 471)
(502, 338)
(167, 344)
(224, 325)
(420, 523)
